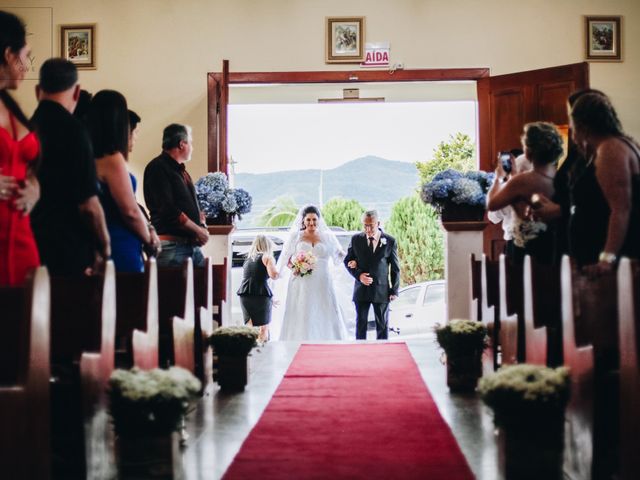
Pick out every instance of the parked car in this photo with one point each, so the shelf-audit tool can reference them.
(418, 308)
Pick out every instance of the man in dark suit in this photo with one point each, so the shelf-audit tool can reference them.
(372, 259)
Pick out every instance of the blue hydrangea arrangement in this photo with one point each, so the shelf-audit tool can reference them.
(216, 198)
(461, 188)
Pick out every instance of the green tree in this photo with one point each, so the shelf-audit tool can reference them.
(459, 153)
(280, 213)
(341, 212)
(416, 228)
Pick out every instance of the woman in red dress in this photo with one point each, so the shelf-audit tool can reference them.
(19, 148)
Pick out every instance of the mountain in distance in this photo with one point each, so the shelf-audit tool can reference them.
(373, 181)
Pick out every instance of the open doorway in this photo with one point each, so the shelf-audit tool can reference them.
(504, 104)
(291, 145)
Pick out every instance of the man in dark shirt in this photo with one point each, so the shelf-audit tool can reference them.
(171, 200)
(68, 221)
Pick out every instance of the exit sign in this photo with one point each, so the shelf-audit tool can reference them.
(376, 55)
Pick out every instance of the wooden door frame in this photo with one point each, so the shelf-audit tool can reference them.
(218, 94)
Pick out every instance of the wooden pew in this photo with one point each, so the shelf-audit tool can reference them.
(535, 338)
(580, 361)
(24, 379)
(490, 311)
(475, 293)
(183, 327)
(137, 318)
(204, 323)
(219, 283)
(175, 298)
(511, 336)
(542, 314)
(597, 324)
(547, 309)
(83, 322)
(629, 323)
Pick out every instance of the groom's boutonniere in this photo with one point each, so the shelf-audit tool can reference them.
(383, 241)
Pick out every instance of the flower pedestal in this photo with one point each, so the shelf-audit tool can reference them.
(463, 238)
(532, 449)
(463, 373)
(156, 456)
(232, 372)
(222, 219)
(453, 212)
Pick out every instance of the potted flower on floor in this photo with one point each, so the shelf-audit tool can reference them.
(463, 342)
(528, 403)
(148, 408)
(220, 203)
(231, 346)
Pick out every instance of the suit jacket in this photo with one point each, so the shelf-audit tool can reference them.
(382, 265)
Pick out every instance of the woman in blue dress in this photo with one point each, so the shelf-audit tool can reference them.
(108, 121)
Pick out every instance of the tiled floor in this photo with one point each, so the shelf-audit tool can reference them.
(221, 422)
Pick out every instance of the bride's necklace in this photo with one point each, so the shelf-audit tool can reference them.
(310, 240)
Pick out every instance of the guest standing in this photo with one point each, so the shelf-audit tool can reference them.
(542, 146)
(254, 292)
(171, 200)
(19, 149)
(68, 221)
(108, 120)
(605, 211)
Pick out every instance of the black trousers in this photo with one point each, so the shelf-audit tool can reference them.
(381, 312)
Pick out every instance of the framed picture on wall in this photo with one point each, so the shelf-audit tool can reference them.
(344, 40)
(78, 45)
(603, 38)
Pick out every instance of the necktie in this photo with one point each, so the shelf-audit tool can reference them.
(371, 243)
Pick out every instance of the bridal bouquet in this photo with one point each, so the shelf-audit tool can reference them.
(302, 263)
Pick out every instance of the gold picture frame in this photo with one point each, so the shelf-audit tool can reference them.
(602, 38)
(344, 39)
(78, 45)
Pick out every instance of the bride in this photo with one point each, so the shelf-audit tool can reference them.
(312, 310)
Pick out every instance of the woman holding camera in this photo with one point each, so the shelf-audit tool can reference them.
(542, 146)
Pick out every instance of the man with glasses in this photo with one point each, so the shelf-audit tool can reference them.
(372, 259)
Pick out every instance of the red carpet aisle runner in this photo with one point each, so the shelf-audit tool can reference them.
(351, 411)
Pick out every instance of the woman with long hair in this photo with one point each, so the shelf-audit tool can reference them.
(254, 292)
(605, 210)
(19, 150)
(312, 310)
(108, 121)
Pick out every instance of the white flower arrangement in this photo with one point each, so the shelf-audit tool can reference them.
(383, 241)
(233, 341)
(460, 338)
(518, 393)
(150, 402)
(524, 231)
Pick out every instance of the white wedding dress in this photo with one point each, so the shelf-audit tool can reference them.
(312, 310)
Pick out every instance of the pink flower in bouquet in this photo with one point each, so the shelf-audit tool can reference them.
(302, 263)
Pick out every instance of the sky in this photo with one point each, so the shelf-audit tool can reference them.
(267, 138)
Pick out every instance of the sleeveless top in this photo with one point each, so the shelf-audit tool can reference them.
(589, 220)
(254, 280)
(126, 247)
(18, 250)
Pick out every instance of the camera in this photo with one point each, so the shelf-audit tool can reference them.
(505, 159)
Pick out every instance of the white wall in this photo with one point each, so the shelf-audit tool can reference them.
(157, 52)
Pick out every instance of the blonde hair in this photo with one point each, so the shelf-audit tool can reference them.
(261, 244)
